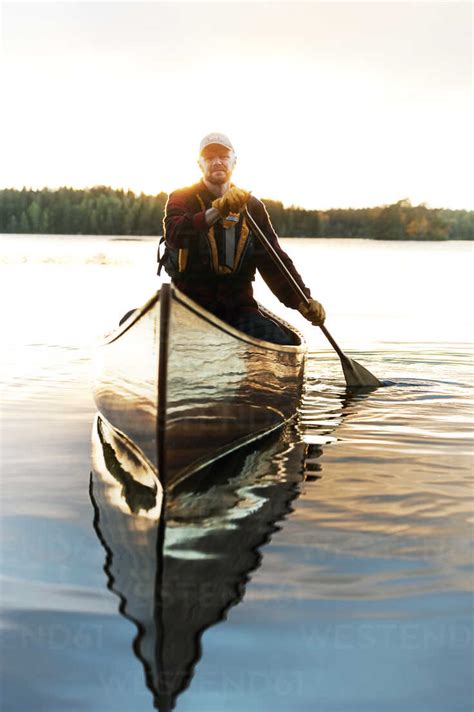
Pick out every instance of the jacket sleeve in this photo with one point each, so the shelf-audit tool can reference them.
(180, 224)
(277, 282)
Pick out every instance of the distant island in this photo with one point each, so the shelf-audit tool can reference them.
(103, 211)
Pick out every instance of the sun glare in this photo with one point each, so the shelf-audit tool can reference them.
(307, 131)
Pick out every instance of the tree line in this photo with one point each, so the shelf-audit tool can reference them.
(104, 211)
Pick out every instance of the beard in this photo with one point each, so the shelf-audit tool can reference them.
(218, 177)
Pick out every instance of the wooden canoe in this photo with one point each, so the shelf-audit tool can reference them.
(186, 388)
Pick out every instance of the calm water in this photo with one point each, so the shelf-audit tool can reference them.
(357, 597)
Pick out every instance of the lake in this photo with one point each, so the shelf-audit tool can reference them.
(334, 570)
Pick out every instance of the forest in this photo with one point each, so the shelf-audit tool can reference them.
(104, 211)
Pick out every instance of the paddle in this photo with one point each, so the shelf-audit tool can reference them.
(356, 375)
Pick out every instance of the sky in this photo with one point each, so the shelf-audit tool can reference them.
(328, 104)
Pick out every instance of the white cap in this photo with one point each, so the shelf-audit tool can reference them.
(215, 138)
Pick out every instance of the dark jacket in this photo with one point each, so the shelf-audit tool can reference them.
(194, 255)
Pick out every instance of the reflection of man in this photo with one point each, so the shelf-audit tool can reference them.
(211, 254)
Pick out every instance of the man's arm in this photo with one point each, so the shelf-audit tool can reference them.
(180, 224)
(279, 285)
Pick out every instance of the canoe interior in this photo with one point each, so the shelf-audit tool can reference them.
(223, 388)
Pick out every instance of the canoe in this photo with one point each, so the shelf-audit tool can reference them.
(185, 388)
(175, 576)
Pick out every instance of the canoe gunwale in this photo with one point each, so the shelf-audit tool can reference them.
(211, 319)
(132, 319)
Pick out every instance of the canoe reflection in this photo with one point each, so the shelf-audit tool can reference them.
(176, 576)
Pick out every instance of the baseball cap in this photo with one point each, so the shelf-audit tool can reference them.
(215, 138)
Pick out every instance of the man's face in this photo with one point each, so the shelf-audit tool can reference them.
(217, 163)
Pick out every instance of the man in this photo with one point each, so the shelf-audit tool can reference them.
(211, 254)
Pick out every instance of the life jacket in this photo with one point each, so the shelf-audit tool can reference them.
(224, 252)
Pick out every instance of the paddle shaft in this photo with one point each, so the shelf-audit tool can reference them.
(286, 272)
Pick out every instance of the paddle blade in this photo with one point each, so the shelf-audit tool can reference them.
(357, 376)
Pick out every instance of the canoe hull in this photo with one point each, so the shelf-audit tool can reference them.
(186, 388)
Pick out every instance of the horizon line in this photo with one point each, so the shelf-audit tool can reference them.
(286, 206)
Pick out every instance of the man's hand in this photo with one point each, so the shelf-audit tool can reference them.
(313, 311)
(232, 201)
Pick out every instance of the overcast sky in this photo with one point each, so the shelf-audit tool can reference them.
(328, 104)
